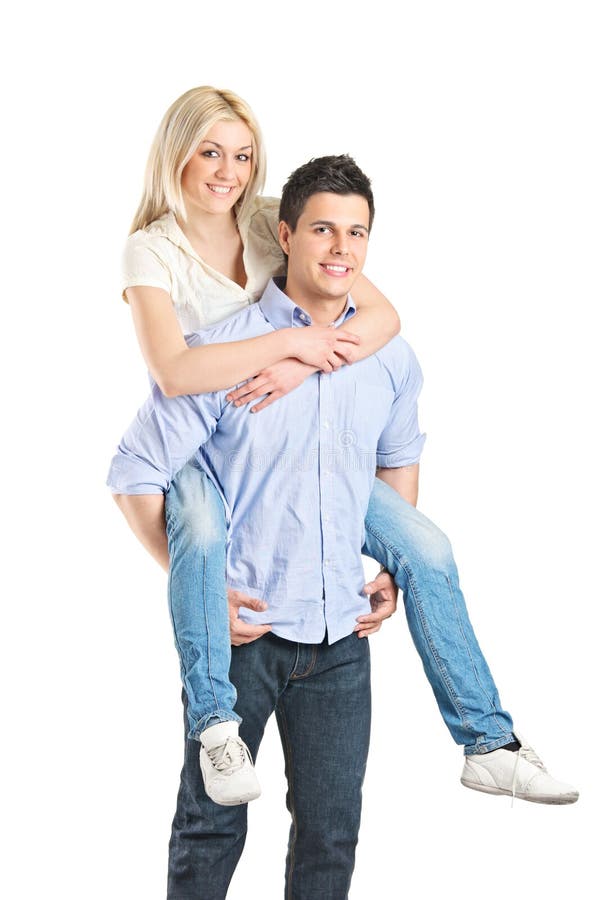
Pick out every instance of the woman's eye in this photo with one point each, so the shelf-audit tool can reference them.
(211, 154)
(243, 157)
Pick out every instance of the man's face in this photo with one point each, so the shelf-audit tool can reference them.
(327, 251)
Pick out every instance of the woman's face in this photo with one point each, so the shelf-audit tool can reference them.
(215, 177)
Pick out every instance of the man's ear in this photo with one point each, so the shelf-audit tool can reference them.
(284, 237)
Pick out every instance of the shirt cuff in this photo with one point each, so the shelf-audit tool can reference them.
(127, 476)
(406, 455)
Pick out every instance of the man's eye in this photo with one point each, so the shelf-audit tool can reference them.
(357, 234)
(321, 229)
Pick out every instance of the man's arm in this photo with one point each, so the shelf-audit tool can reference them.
(164, 434)
(398, 451)
(382, 591)
(405, 480)
(145, 514)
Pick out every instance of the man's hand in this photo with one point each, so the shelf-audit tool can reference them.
(383, 593)
(241, 632)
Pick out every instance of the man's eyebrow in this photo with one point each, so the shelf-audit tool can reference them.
(220, 146)
(332, 224)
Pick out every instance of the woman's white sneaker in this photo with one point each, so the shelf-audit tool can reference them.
(519, 773)
(226, 765)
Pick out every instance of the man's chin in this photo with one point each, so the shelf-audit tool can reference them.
(340, 290)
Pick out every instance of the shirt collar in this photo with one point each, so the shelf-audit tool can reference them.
(166, 225)
(282, 312)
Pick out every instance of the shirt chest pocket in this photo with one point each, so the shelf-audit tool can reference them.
(372, 407)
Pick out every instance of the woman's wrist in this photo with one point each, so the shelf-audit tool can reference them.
(287, 342)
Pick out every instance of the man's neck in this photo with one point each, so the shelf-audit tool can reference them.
(322, 310)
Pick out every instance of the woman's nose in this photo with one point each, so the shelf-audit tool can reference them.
(226, 169)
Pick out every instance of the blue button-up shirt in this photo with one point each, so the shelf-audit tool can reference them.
(295, 479)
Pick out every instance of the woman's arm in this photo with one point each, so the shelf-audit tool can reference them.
(376, 321)
(179, 369)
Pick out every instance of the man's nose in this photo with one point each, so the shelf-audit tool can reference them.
(340, 247)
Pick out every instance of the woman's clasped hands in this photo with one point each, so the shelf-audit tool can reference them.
(313, 348)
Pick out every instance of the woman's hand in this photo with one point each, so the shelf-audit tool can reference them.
(277, 380)
(323, 347)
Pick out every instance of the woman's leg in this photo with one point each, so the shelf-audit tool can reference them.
(419, 558)
(197, 535)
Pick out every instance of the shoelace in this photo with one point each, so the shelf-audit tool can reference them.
(230, 755)
(529, 754)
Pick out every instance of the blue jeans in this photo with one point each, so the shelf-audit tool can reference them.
(415, 552)
(419, 557)
(197, 538)
(321, 697)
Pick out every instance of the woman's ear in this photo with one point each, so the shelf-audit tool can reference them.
(284, 237)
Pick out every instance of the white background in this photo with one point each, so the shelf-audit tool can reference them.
(478, 123)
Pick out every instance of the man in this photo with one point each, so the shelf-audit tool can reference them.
(297, 482)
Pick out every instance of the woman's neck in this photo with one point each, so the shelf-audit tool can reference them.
(206, 229)
(216, 240)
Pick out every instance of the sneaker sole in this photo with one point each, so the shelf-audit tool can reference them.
(245, 798)
(549, 801)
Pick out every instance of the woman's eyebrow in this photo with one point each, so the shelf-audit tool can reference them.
(220, 146)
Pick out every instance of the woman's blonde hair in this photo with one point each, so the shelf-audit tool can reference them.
(183, 127)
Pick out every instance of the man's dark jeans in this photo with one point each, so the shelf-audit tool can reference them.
(321, 697)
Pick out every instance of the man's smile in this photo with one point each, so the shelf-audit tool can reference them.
(335, 269)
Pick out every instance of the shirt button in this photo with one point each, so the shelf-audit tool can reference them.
(303, 317)
(326, 423)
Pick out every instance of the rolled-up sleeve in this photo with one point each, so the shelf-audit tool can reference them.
(164, 435)
(401, 442)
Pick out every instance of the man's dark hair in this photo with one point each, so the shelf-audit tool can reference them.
(330, 174)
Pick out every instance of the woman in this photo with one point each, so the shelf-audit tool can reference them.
(203, 245)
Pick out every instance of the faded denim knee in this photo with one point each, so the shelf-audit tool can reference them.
(195, 510)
